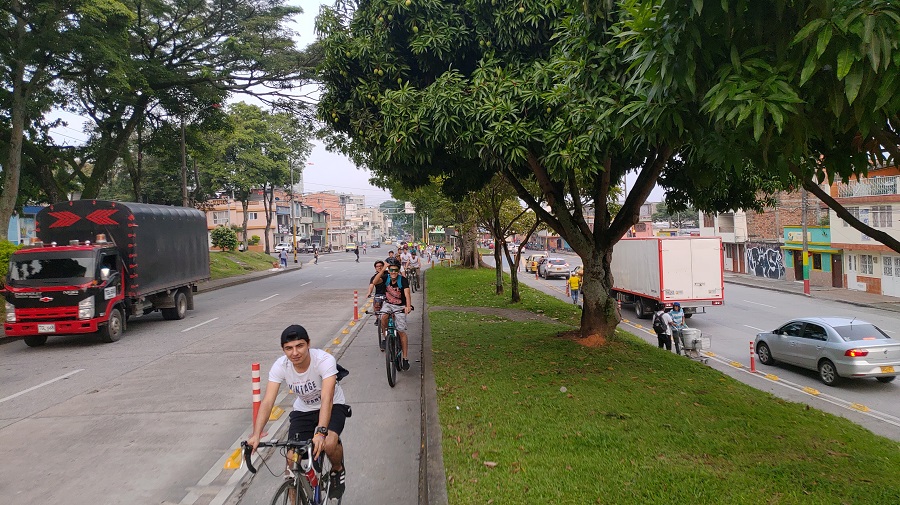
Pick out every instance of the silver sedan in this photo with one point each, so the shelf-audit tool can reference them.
(837, 347)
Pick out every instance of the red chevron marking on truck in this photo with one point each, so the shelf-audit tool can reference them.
(64, 219)
(102, 216)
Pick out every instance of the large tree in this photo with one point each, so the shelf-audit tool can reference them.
(41, 40)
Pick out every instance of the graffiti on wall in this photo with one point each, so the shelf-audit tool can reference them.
(765, 260)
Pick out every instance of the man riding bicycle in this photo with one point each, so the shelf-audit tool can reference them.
(378, 289)
(320, 409)
(399, 301)
(413, 265)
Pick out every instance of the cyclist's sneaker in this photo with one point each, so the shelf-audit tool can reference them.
(338, 483)
(405, 364)
(381, 345)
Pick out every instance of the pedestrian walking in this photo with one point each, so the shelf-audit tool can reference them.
(662, 326)
(574, 287)
(356, 250)
(365, 248)
(282, 256)
(316, 255)
(677, 325)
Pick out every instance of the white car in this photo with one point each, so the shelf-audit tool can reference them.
(284, 246)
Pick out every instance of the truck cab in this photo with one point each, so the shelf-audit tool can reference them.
(64, 290)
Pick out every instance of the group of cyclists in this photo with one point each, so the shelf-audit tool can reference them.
(320, 408)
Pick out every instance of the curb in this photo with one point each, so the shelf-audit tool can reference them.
(432, 474)
(242, 279)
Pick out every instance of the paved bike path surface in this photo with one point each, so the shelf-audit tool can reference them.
(383, 439)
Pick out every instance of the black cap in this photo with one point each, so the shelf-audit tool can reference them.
(294, 332)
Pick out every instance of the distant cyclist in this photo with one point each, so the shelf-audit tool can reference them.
(413, 265)
(391, 259)
(319, 409)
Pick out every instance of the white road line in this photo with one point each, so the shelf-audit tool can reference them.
(329, 275)
(763, 304)
(51, 381)
(269, 297)
(305, 283)
(198, 325)
(754, 328)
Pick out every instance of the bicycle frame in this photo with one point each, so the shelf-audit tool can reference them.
(301, 464)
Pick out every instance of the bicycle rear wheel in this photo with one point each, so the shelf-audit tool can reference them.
(389, 357)
(290, 493)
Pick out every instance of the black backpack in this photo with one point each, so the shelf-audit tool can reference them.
(658, 325)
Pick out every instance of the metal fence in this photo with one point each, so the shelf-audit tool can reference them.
(870, 187)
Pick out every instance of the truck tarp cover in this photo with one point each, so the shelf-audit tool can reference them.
(162, 246)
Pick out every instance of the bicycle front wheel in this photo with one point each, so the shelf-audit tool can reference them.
(390, 363)
(290, 493)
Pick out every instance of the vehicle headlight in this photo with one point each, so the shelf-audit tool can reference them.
(10, 313)
(86, 308)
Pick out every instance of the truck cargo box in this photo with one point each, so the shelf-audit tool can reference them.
(162, 246)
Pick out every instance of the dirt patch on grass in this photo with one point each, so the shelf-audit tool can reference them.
(517, 315)
(595, 340)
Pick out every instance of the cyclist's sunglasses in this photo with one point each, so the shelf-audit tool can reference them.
(394, 270)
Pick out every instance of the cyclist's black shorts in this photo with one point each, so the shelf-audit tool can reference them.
(303, 424)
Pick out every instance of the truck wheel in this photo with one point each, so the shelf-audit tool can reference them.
(114, 327)
(688, 315)
(36, 341)
(180, 309)
(639, 308)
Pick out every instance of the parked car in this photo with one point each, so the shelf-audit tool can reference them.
(837, 347)
(553, 267)
(375, 245)
(284, 246)
(350, 247)
(311, 248)
(531, 262)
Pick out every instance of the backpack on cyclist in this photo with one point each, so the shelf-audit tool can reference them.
(659, 326)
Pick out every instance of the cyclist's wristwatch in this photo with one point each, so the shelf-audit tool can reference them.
(322, 430)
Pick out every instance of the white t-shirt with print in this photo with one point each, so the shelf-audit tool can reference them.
(405, 257)
(307, 385)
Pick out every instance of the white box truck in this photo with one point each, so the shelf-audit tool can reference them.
(649, 271)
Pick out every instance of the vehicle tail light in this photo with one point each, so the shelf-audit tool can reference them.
(856, 353)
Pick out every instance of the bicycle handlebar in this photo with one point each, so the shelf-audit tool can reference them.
(300, 445)
(384, 312)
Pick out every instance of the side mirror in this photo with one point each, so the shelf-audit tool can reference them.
(104, 273)
(777, 332)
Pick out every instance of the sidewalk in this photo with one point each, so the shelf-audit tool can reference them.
(858, 298)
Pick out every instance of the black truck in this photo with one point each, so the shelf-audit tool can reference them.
(98, 263)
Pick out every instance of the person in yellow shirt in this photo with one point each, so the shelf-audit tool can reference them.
(574, 287)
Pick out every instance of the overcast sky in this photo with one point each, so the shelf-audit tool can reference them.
(325, 170)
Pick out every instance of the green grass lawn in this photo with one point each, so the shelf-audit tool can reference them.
(229, 264)
(529, 417)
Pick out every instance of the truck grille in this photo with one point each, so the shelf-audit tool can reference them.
(47, 314)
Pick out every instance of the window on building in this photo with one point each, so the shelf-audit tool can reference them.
(866, 264)
(220, 217)
(709, 221)
(854, 211)
(888, 265)
(817, 261)
(253, 215)
(882, 216)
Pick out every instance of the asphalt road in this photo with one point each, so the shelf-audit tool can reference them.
(749, 310)
(152, 418)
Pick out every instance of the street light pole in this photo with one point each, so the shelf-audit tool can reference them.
(293, 223)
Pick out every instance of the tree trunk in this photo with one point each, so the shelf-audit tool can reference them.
(245, 203)
(498, 266)
(600, 316)
(13, 170)
(468, 248)
(515, 297)
(268, 201)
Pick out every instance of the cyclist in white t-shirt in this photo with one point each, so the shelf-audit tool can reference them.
(320, 409)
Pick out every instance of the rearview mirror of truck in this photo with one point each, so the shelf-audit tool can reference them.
(104, 273)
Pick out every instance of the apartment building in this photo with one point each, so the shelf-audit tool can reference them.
(869, 265)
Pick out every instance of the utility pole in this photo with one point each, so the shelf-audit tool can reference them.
(805, 242)
(293, 223)
(184, 192)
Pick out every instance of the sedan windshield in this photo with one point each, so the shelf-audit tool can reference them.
(71, 267)
(855, 332)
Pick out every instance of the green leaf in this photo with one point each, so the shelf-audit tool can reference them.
(808, 29)
(844, 62)
(824, 39)
(698, 6)
(735, 59)
(853, 82)
(808, 68)
(758, 121)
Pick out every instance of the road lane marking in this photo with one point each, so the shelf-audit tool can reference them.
(269, 297)
(754, 328)
(51, 381)
(198, 325)
(763, 304)
(329, 275)
(305, 283)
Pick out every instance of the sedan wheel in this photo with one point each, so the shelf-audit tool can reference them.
(886, 379)
(765, 355)
(828, 373)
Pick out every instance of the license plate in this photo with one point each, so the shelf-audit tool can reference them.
(46, 328)
(887, 369)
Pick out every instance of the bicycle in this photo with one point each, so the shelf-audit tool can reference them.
(309, 482)
(413, 279)
(379, 300)
(393, 353)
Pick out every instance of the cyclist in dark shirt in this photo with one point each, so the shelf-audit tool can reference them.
(398, 300)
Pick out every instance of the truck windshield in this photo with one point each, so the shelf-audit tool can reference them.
(71, 267)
